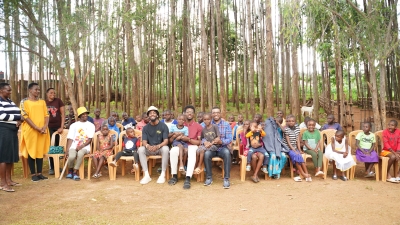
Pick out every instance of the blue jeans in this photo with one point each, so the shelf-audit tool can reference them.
(225, 154)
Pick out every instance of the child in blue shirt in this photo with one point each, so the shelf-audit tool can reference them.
(176, 133)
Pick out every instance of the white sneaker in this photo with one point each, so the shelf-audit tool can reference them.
(308, 179)
(161, 180)
(145, 180)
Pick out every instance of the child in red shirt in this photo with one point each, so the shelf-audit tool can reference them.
(391, 148)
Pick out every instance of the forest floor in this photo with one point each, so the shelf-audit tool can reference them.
(125, 201)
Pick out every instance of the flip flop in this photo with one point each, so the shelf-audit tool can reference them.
(8, 190)
(15, 184)
(298, 179)
(254, 179)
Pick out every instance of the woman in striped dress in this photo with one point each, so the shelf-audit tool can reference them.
(10, 119)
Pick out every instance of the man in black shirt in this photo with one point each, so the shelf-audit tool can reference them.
(155, 142)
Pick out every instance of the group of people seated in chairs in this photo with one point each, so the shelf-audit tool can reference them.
(185, 145)
(264, 146)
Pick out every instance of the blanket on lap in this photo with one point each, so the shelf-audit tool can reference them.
(272, 141)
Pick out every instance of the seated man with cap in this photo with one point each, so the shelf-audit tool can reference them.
(155, 142)
(79, 137)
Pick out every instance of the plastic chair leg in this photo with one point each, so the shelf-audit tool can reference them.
(377, 172)
(82, 170)
(325, 166)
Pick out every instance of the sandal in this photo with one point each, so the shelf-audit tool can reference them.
(197, 171)
(254, 179)
(172, 181)
(15, 184)
(95, 176)
(7, 189)
(99, 175)
(298, 179)
(186, 185)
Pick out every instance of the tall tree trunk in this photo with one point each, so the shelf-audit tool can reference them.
(212, 81)
(315, 85)
(222, 96)
(269, 59)
(251, 55)
(204, 72)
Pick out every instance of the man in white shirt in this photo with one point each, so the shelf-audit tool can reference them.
(79, 137)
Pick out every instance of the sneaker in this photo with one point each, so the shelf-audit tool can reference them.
(308, 179)
(265, 170)
(35, 178)
(42, 177)
(227, 184)
(145, 180)
(76, 177)
(113, 164)
(69, 176)
(51, 172)
(248, 168)
(161, 180)
(208, 182)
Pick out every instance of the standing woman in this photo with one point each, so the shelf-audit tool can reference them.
(55, 107)
(35, 138)
(10, 119)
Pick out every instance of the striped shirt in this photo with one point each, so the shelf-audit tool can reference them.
(293, 136)
(225, 132)
(9, 112)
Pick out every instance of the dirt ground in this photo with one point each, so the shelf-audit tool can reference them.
(125, 201)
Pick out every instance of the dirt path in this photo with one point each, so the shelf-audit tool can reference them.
(125, 201)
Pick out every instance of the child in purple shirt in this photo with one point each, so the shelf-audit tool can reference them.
(331, 124)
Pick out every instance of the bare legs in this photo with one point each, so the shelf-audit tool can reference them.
(5, 176)
(257, 160)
